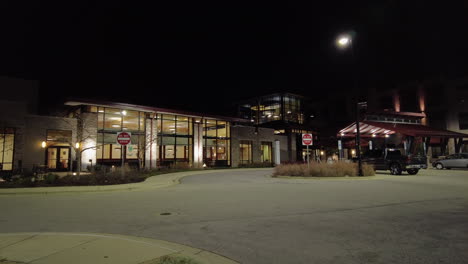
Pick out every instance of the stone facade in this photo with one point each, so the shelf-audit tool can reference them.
(239, 133)
(35, 133)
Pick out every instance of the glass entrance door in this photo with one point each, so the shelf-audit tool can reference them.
(58, 158)
(52, 158)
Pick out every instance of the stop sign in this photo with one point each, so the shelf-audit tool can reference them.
(124, 138)
(307, 139)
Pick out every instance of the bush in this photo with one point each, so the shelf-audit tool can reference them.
(368, 170)
(51, 178)
(180, 166)
(100, 176)
(257, 165)
(336, 169)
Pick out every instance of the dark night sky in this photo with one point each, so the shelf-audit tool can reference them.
(203, 56)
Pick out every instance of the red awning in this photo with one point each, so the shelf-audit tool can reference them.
(380, 129)
(352, 143)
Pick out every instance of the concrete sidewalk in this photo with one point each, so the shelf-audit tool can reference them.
(153, 182)
(71, 248)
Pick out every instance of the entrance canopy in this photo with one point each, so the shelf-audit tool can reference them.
(383, 129)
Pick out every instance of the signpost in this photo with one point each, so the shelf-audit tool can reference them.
(340, 149)
(307, 140)
(123, 139)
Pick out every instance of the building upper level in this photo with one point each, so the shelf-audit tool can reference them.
(279, 107)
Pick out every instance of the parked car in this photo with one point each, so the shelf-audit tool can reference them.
(452, 161)
(395, 161)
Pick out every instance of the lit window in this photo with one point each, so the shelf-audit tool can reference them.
(7, 146)
(245, 151)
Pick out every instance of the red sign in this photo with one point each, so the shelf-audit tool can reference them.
(124, 138)
(307, 139)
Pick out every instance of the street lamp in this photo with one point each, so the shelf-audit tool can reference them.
(345, 41)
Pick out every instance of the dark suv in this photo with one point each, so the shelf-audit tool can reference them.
(393, 160)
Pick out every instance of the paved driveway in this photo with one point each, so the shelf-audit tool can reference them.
(252, 218)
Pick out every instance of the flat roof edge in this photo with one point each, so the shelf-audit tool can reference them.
(149, 109)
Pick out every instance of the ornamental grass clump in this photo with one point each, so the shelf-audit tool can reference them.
(335, 169)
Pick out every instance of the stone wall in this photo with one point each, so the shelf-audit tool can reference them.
(35, 133)
(239, 133)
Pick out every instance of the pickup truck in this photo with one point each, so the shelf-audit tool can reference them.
(395, 161)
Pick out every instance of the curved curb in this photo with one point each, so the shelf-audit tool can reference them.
(375, 177)
(58, 247)
(152, 182)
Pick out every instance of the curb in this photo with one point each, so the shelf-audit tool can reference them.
(59, 247)
(375, 177)
(152, 182)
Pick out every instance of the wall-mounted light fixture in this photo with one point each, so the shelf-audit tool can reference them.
(43, 144)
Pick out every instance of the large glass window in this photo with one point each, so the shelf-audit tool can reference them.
(270, 108)
(216, 148)
(113, 119)
(245, 151)
(108, 149)
(130, 120)
(210, 128)
(110, 122)
(266, 149)
(293, 109)
(175, 140)
(7, 146)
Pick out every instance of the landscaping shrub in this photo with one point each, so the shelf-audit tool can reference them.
(257, 165)
(336, 169)
(180, 166)
(51, 178)
(100, 176)
(368, 170)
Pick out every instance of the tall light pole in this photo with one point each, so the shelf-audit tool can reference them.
(345, 41)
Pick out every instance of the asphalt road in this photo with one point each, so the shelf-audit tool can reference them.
(253, 218)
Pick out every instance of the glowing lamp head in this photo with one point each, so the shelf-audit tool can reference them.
(43, 144)
(124, 112)
(353, 152)
(77, 145)
(344, 41)
(321, 153)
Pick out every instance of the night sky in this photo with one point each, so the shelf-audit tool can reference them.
(204, 56)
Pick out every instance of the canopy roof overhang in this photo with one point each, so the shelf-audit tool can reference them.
(383, 129)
